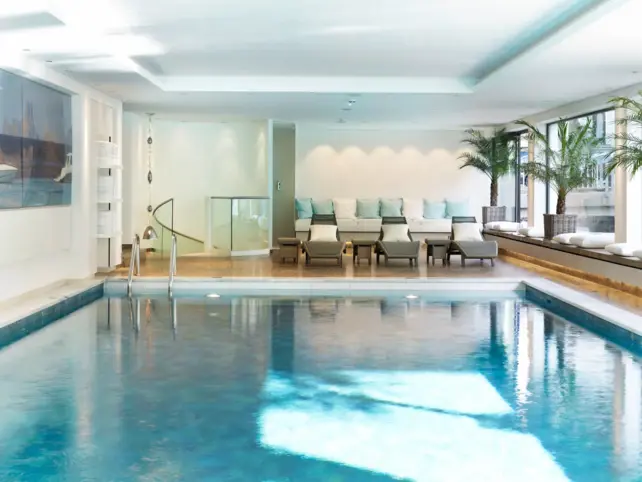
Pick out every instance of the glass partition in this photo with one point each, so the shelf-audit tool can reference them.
(163, 222)
(238, 226)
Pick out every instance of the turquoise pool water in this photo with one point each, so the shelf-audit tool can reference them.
(318, 389)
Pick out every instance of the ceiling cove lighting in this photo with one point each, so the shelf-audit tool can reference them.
(411, 297)
(213, 295)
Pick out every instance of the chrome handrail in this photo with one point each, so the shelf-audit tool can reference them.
(134, 264)
(172, 265)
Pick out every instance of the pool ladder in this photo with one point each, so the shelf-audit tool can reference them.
(134, 264)
(172, 266)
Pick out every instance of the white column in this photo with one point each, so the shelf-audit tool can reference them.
(628, 193)
(83, 190)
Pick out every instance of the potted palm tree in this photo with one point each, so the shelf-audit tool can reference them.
(492, 156)
(570, 167)
(628, 152)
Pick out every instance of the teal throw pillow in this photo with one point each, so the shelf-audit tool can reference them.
(323, 207)
(434, 210)
(303, 208)
(368, 209)
(459, 208)
(390, 207)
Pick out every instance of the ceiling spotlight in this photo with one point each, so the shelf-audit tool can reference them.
(213, 295)
(351, 101)
(49, 61)
(411, 297)
(342, 121)
(346, 109)
(26, 50)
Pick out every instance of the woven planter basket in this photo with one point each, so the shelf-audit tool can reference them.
(555, 224)
(492, 214)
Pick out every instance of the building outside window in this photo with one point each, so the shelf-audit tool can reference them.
(513, 188)
(594, 203)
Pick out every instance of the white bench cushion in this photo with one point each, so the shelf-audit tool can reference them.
(345, 208)
(593, 240)
(504, 226)
(638, 253)
(302, 224)
(623, 249)
(413, 208)
(430, 225)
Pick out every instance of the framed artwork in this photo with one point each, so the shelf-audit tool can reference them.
(35, 144)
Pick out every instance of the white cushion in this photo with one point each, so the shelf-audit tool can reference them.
(369, 225)
(532, 232)
(302, 225)
(395, 232)
(345, 208)
(638, 253)
(504, 226)
(323, 232)
(593, 240)
(430, 225)
(348, 225)
(467, 232)
(566, 237)
(413, 208)
(623, 249)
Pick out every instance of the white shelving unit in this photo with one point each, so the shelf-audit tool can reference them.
(109, 200)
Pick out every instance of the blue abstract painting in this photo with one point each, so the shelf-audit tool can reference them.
(35, 144)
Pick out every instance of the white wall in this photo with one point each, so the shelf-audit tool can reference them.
(340, 162)
(41, 246)
(191, 160)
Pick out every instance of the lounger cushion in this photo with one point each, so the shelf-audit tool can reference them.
(345, 208)
(395, 232)
(638, 253)
(413, 208)
(430, 225)
(532, 232)
(434, 210)
(391, 207)
(322, 207)
(504, 226)
(457, 208)
(467, 232)
(368, 209)
(623, 249)
(566, 237)
(348, 225)
(593, 240)
(303, 208)
(323, 232)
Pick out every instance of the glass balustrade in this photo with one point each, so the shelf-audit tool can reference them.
(238, 226)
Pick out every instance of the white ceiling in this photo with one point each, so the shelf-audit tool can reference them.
(426, 63)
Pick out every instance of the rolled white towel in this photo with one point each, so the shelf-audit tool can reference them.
(565, 238)
(504, 226)
(623, 249)
(532, 231)
(593, 240)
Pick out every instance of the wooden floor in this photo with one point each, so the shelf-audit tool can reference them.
(259, 267)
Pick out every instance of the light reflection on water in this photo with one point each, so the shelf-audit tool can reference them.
(318, 389)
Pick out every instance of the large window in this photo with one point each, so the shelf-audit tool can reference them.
(513, 188)
(594, 203)
(35, 144)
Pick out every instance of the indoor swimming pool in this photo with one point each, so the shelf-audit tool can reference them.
(372, 387)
